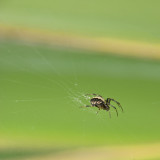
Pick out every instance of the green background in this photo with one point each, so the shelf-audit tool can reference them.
(137, 20)
(42, 88)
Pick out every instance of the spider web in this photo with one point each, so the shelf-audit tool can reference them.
(64, 78)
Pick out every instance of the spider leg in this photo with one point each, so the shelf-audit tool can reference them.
(98, 111)
(86, 106)
(93, 95)
(109, 114)
(110, 99)
(114, 108)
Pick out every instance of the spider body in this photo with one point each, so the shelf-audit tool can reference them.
(99, 102)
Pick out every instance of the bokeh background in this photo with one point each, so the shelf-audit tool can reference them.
(52, 53)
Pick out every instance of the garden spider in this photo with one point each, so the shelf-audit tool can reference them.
(101, 103)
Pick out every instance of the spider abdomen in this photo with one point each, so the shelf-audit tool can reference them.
(98, 102)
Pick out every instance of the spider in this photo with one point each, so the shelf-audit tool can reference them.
(101, 103)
